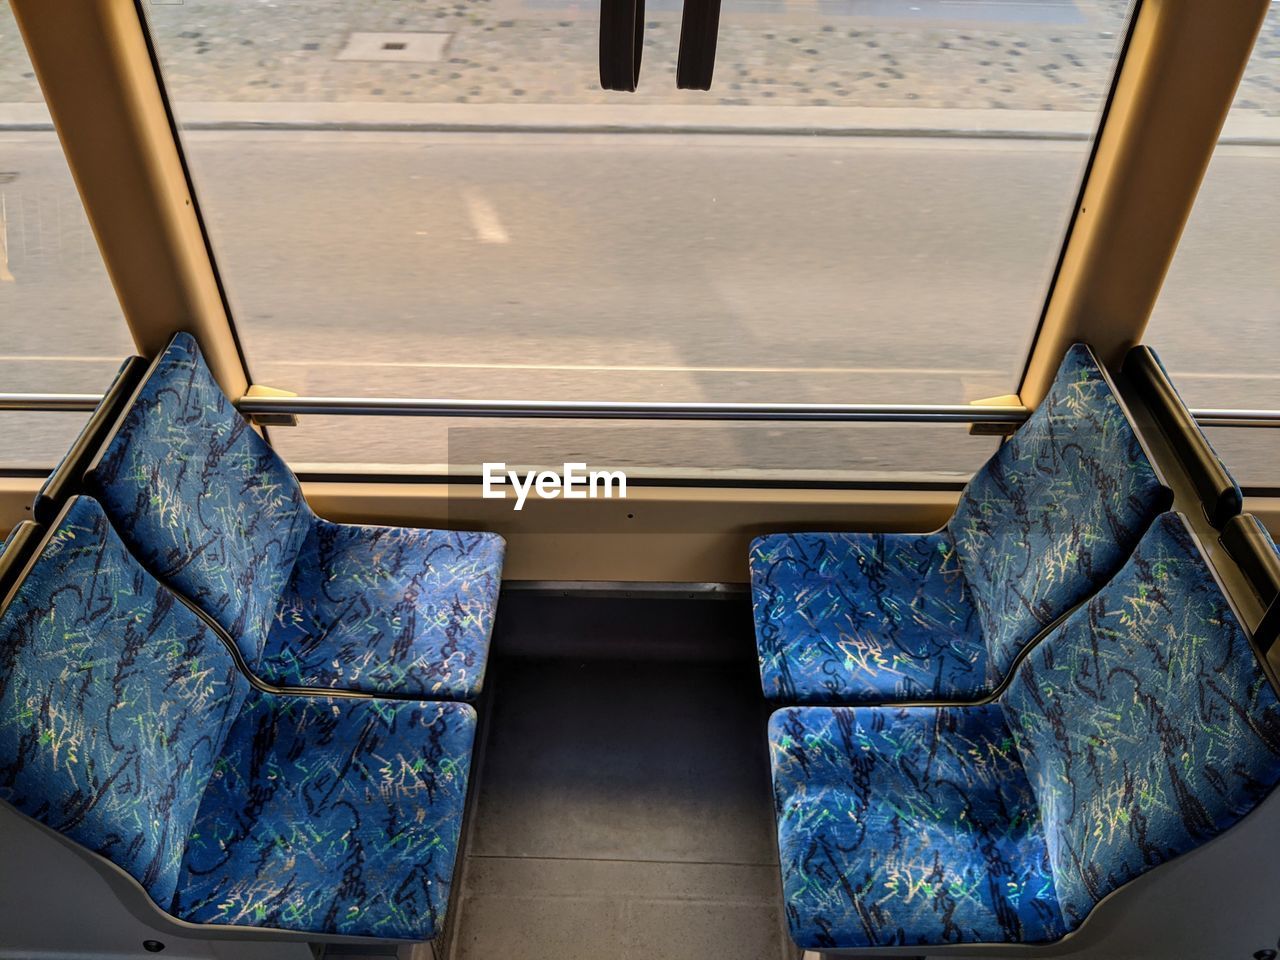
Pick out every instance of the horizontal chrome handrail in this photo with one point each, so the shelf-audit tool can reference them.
(1237, 418)
(626, 410)
(50, 402)
(622, 410)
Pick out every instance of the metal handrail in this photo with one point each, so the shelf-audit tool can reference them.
(623, 410)
(627, 410)
(50, 402)
(1237, 418)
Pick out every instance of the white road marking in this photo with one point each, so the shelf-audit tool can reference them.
(5, 275)
(1007, 3)
(634, 368)
(1226, 376)
(484, 219)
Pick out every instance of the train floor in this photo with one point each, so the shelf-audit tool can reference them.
(621, 803)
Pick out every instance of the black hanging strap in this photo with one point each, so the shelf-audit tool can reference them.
(621, 43)
(698, 33)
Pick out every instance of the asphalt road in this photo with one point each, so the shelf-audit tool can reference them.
(638, 267)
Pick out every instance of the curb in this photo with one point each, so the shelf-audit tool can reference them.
(641, 119)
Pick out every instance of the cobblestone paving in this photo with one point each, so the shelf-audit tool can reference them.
(780, 52)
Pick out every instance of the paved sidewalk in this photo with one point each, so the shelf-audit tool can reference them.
(1023, 55)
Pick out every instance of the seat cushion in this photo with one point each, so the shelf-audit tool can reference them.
(1145, 723)
(332, 815)
(905, 826)
(115, 700)
(1055, 512)
(387, 610)
(855, 617)
(201, 499)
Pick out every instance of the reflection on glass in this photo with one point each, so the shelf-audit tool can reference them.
(644, 450)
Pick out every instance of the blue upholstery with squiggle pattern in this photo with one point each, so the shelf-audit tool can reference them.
(340, 815)
(385, 609)
(212, 511)
(1056, 511)
(201, 499)
(881, 615)
(914, 825)
(1146, 725)
(841, 618)
(1137, 730)
(114, 702)
(126, 725)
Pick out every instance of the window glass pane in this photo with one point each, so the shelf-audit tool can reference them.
(61, 330)
(1217, 323)
(864, 452)
(36, 441)
(1251, 453)
(866, 207)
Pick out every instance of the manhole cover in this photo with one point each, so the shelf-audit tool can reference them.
(412, 47)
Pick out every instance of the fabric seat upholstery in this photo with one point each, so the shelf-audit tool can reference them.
(340, 815)
(922, 819)
(213, 512)
(386, 609)
(127, 726)
(1137, 730)
(1045, 522)
(881, 615)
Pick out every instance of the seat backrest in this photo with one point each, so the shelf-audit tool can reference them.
(1056, 511)
(115, 701)
(68, 476)
(1145, 722)
(201, 499)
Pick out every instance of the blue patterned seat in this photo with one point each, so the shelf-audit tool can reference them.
(869, 615)
(127, 726)
(1139, 729)
(856, 618)
(213, 512)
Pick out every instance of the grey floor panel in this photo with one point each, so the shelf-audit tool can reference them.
(565, 909)
(622, 810)
(634, 761)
